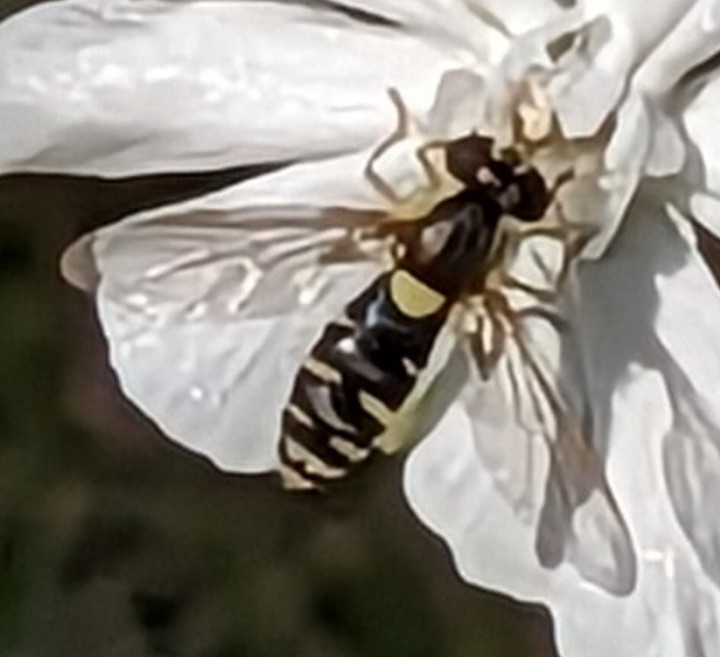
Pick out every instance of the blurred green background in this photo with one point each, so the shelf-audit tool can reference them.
(116, 543)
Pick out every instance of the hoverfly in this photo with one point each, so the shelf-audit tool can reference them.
(362, 376)
(363, 371)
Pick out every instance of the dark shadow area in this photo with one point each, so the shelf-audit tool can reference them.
(10, 7)
(93, 202)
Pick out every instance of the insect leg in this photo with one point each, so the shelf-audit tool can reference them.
(400, 133)
(487, 356)
(565, 176)
(421, 153)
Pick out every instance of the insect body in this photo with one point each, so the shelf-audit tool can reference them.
(362, 372)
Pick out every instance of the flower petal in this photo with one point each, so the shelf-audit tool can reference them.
(692, 39)
(687, 322)
(674, 609)
(599, 56)
(700, 120)
(209, 306)
(671, 613)
(518, 16)
(636, 32)
(121, 88)
(664, 319)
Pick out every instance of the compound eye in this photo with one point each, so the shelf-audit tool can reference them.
(465, 157)
(533, 197)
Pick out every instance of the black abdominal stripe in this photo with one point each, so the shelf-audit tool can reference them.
(351, 392)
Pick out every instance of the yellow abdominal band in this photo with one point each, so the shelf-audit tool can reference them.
(412, 297)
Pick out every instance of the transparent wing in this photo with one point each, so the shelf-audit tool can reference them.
(250, 262)
(209, 312)
(543, 459)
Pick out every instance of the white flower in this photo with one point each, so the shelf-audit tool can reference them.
(208, 305)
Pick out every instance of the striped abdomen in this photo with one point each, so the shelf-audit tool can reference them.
(351, 393)
(357, 378)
